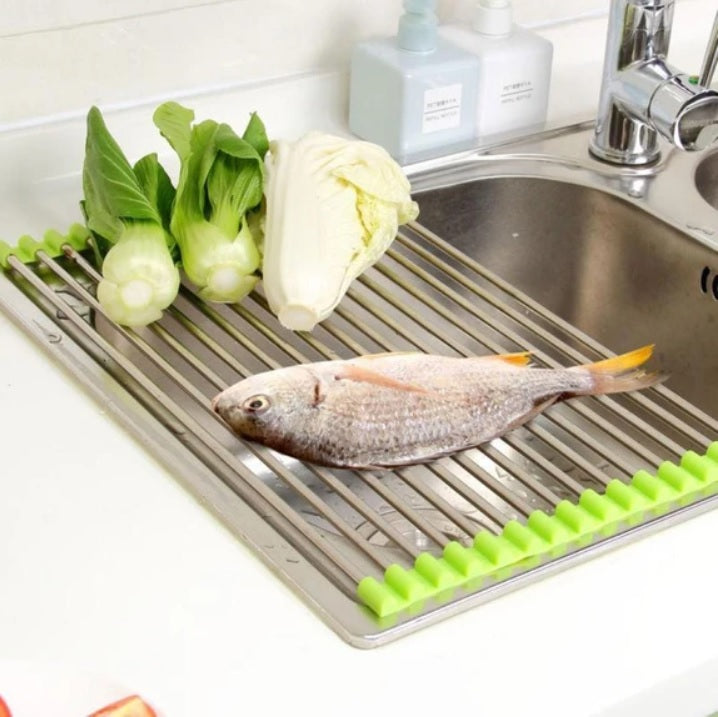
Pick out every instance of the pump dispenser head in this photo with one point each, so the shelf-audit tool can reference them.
(493, 17)
(418, 26)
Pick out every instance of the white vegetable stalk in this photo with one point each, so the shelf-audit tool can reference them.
(223, 268)
(333, 207)
(139, 278)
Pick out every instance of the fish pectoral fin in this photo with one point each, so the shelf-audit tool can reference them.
(519, 359)
(352, 372)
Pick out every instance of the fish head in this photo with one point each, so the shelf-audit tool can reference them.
(268, 407)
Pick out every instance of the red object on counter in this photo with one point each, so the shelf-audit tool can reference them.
(4, 709)
(133, 706)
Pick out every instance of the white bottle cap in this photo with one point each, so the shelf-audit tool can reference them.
(493, 17)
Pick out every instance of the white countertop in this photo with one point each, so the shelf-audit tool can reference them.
(108, 565)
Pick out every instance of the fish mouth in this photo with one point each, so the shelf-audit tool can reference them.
(220, 405)
(225, 406)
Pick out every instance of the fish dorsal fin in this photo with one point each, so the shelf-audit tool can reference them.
(519, 359)
(352, 372)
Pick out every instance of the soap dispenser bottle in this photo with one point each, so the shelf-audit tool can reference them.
(515, 68)
(414, 94)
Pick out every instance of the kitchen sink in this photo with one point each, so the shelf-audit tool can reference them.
(527, 246)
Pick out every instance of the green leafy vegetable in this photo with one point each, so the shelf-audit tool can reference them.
(128, 211)
(221, 180)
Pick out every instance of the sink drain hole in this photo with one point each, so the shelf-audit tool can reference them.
(707, 285)
(704, 279)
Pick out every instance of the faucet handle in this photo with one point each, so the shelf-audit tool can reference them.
(696, 128)
(685, 113)
(711, 57)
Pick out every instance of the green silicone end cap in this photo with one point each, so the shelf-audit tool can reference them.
(379, 597)
(465, 561)
(600, 507)
(496, 549)
(654, 489)
(575, 518)
(553, 531)
(5, 252)
(78, 236)
(27, 247)
(683, 481)
(408, 584)
(525, 539)
(53, 243)
(437, 572)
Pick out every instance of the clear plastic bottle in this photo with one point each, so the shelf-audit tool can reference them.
(414, 94)
(515, 68)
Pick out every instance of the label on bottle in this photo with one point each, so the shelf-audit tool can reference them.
(442, 108)
(514, 92)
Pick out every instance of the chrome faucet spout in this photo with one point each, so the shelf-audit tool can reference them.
(642, 95)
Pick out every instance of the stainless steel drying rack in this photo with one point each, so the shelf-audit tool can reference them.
(323, 530)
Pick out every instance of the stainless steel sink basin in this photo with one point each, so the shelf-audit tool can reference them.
(628, 258)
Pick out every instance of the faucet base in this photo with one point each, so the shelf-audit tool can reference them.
(623, 157)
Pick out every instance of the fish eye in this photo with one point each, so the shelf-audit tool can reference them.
(256, 404)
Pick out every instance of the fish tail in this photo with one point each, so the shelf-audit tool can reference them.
(622, 373)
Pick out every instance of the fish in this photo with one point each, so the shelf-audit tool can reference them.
(383, 411)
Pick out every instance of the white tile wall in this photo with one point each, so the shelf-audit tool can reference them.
(531, 12)
(59, 56)
(27, 16)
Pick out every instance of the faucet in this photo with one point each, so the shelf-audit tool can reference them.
(642, 96)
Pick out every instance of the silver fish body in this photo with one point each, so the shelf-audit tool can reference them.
(399, 409)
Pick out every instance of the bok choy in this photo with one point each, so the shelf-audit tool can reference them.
(127, 210)
(220, 182)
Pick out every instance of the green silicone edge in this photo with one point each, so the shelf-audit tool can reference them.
(52, 244)
(542, 534)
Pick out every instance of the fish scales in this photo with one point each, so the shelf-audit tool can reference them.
(398, 409)
(476, 403)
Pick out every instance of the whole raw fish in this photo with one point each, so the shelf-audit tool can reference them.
(397, 409)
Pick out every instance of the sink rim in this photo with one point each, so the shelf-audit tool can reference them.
(667, 189)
